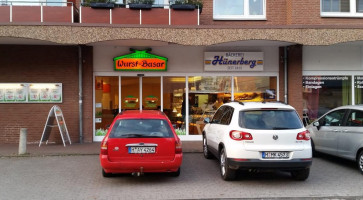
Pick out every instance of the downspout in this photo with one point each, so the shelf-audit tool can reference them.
(285, 74)
(80, 94)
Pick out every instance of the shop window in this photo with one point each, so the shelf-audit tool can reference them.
(255, 88)
(323, 93)
(358, 89)
(106, 102)
(239, 9)
(174, 102)
(342, 8)
(206, 95)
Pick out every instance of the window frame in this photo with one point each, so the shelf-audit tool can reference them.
(245, 16)
(352, 11)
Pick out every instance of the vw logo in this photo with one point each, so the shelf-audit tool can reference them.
(275, 137)
(116, 149)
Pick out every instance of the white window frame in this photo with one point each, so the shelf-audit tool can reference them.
(245, 16)
(352, 13)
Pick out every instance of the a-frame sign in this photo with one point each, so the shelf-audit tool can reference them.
(56, 114)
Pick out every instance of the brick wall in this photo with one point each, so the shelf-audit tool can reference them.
(294, 77)
(44, 64)
(275, 14)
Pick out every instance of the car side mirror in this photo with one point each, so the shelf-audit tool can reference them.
(206, 120)
(108, 126)
(317, 125)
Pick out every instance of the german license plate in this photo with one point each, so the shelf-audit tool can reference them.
(275, 154)
(141, 149)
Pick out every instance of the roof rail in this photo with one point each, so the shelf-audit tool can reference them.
(241, 103)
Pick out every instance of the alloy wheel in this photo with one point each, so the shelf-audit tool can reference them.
(223, 163)
(361, 162)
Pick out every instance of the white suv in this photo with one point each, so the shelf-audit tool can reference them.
(258, 135)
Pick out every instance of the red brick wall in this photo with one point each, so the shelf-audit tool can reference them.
(275, 14)
(307, 12)
(44, 64)
(294, 77)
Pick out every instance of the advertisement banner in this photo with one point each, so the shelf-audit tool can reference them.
(233, 61)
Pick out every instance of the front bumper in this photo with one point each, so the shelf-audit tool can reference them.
(269, 164)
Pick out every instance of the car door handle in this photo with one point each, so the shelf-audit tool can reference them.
(345, 131)
(335, 130)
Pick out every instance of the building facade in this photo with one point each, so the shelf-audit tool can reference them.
(305, 53)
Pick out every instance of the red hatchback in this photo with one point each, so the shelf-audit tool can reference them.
(141, 141)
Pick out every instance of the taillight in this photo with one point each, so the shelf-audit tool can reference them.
(104, 147)
(305, 135)
(240, 135)
(178, 146)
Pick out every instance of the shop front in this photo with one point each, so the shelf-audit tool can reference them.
(332, 77)
(187, 91)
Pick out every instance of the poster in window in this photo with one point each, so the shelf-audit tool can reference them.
(9, 94)
(20, 94)
(44, 94)
(33, 94)
(2, 95)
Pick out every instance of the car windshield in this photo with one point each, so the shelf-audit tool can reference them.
(269, 119)
(141, 128)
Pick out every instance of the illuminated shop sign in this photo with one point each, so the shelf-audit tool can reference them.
(233, 61)
(140, 61)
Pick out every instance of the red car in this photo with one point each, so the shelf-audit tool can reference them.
(141, 141)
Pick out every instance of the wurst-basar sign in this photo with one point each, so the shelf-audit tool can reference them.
(140, 61)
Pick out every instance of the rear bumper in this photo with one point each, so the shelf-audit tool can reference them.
(270, 164)
(141, 166)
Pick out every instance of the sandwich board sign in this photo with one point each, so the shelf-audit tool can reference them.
(55, 114)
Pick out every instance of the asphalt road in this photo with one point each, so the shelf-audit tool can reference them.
(79, 177)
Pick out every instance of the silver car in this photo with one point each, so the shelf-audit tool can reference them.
(339, 132)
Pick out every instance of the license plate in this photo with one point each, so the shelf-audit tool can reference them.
(275, 155)
(141, 149)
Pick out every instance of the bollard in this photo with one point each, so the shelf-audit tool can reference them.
(22, 141)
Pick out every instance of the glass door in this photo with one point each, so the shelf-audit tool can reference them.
(106, 103)
(151, 93)
(130, 93)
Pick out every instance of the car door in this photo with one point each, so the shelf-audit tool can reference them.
(224, 124)
(352, 135)
(326, 135)
(211, 128)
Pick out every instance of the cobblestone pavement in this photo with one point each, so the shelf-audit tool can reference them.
(79, 177)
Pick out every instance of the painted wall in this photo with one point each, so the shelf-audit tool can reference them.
(332, 58)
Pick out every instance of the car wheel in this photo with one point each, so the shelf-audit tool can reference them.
(360, 162)
(301, 174)
(175, 174)
(227, 173)
(207, 154)
(105, 174)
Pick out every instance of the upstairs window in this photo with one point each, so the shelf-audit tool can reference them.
(239, 10)
(342, 8)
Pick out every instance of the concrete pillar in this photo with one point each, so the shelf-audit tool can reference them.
(22, 141)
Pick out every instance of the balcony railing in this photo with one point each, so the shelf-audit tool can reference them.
(65, 12)
(26, 11)
(158, 14)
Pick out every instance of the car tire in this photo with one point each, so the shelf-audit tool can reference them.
(175, 174)
(227, 173)
(360, 162)
(301, 174)
(105, 174)
(207, 154)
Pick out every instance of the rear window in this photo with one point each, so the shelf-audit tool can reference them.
(141, 128)
(269, 119)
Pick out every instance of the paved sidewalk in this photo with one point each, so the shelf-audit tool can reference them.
(10, 150)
